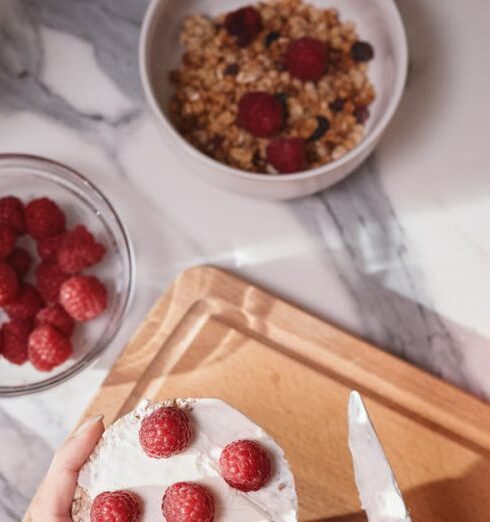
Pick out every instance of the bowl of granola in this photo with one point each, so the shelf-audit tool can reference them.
(276, 99)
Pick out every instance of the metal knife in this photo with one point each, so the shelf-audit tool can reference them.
(378, 490)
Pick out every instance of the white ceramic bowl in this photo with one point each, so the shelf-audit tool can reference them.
(377, 21)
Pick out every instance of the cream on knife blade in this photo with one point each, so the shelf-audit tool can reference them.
(379, 492)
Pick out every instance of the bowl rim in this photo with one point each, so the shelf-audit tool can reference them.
(93, 355)
(368, 141)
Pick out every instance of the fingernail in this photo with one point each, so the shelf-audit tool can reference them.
(89, 422)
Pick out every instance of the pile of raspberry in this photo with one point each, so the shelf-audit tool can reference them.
(42, 316)
(244, 464)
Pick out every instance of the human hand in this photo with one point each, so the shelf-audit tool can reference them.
(54, 498)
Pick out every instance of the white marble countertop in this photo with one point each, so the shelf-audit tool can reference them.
(399, 253)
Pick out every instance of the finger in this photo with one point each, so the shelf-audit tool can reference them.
(55, 495)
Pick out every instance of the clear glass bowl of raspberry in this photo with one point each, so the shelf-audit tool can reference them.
(31, 177)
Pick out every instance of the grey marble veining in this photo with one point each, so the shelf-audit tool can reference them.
(25, 457)
(112, 33)
(376, 268)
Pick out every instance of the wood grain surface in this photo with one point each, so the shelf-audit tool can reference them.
(214, 335)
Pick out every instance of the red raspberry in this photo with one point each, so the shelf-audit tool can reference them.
(12, 213)
(7, 240)
(48, 248)
(44, 218)
(83, 297)
(165, 432)
(244, 24)
(245, 465)
(25, 305)
(48, 348)
(260, 113)
(9, 283)
(49, 278)
(20, 260)
(306, 59)
(56, 316)
(79, 250)
(287, 154)
(14, 340)
(116, 506)
(188, 502)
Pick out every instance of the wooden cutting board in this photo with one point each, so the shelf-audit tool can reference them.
(214, 335)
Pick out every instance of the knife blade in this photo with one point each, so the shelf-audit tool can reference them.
(378, 490)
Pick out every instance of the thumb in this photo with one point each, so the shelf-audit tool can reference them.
(54, 499)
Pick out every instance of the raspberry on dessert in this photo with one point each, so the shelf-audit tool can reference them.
(306, 59)
(56, 316)
(12, 213)
(188, 502)
(260, 113)
(287, 154)
(20, 260)
(9, 283)
(48, 348)
(83, 297)
(44, 218)
(49, 278)
(79, 250)
(25, 305)
(116, 506)
(165, 432)
(14, 340)
(244, 24)
(245, 465)
(48, 248)
(7, 240)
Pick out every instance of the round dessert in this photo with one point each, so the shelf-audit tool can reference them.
(186, 459)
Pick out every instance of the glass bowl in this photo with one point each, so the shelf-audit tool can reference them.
(29, 177)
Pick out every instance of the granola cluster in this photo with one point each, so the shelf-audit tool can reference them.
(217, 70)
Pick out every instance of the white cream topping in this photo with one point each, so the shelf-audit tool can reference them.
(118, 462)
